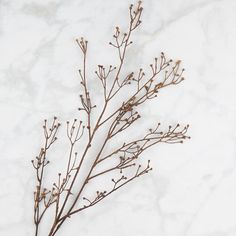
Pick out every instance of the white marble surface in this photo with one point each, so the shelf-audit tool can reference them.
(192, 191)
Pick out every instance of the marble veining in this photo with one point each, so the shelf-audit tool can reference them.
(192, 190)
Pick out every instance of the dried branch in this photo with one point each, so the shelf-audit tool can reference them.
(43, 195)
(64, 196)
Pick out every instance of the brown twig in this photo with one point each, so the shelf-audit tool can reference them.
(65, 196)
(42, 195)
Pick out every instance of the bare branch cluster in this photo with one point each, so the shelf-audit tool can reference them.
(64, 197)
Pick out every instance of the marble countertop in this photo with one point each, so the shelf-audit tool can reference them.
(192, 190)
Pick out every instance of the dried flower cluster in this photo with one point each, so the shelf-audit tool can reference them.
(64, 198)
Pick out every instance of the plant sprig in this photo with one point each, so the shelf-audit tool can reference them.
(64, 196)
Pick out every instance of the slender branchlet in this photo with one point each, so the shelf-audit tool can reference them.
(64, 198)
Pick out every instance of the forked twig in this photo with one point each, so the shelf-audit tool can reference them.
(64, 196)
